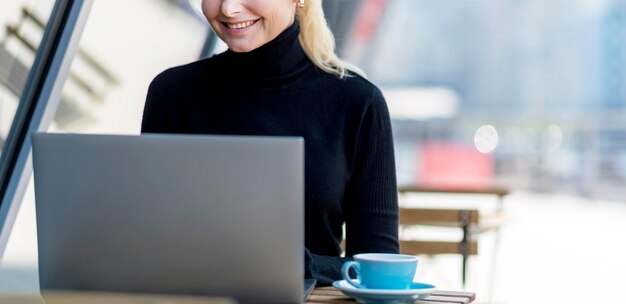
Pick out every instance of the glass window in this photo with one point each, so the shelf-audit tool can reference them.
(125, 44)
(22, 24)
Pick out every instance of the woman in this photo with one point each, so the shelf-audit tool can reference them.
(280, 77)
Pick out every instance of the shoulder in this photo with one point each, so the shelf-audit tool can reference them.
(356, 89)
(186, 74)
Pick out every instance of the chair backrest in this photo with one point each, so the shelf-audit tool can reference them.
(438, 217)
(460, 218)
(468, 220)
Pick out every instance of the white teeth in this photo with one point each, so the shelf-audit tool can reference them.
(240, 25)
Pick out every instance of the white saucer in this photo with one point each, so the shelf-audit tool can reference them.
(364, 295)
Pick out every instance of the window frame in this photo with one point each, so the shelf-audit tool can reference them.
(37, 105)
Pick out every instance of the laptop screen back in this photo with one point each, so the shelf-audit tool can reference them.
(180, 214)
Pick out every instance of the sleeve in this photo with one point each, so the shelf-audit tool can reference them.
(325, 269)
(371, 204)
(371, 207)
(155, 113)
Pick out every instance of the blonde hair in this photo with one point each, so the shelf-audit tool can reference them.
(317, 40)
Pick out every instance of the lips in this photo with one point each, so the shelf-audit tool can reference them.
(240, 25)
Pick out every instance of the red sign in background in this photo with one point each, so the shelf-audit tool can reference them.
(454, 165)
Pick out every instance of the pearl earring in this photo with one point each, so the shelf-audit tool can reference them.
(301, 3)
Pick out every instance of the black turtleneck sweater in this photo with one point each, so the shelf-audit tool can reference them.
(276, 90)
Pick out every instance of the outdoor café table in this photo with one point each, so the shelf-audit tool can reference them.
(330, 294)
(327, 295)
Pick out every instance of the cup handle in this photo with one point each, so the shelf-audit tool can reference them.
(345, 271)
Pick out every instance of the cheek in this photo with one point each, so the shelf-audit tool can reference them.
(280, 21)
(283, 15)
(210, 9)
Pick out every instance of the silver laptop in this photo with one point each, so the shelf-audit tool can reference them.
(171, 214)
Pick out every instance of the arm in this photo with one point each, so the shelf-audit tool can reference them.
(155, 111)
(371, 207)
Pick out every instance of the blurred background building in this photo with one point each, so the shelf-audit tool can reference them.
(548, 76)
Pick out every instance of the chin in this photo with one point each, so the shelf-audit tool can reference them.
(242, 48)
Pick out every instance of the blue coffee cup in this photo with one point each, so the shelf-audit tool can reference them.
(381, 270)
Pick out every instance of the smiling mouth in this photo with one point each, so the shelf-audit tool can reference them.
(240, 25)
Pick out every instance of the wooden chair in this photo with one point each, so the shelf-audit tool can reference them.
(470, 221)
(463, 219)
(499, 192)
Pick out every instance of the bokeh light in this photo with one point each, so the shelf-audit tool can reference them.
(553, 137)
(486, 139)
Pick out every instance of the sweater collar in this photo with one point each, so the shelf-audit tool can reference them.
(281, 57)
